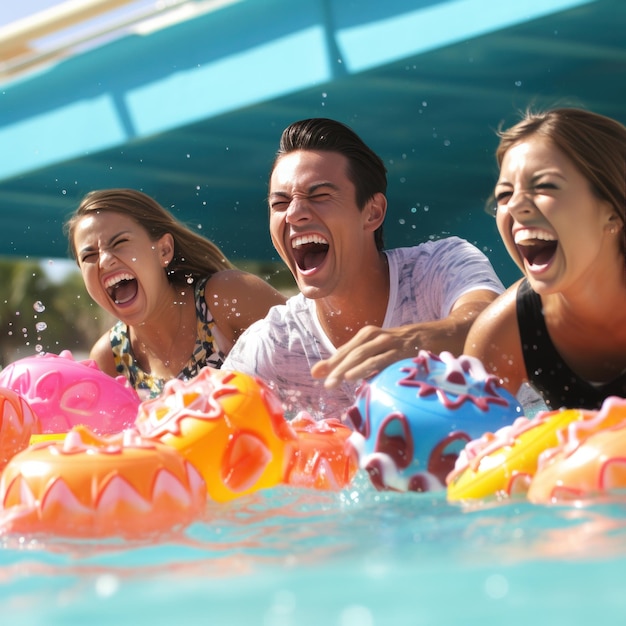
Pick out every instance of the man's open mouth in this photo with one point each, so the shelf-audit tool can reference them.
(309, 251)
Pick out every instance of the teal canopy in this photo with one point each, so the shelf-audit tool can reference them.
(191, 112)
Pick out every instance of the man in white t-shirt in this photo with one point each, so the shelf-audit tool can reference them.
(360, 308)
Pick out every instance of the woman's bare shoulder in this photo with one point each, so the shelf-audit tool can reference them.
(102, 354)
(494, 339)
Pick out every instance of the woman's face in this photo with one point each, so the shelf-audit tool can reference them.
(123, 269)
(552, 224)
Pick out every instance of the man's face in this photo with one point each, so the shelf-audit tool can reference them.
(315, 223)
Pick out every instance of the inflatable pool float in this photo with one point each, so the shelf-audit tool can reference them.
(228, 424)
(90, 486)
(317, 453)
(64, 393)
(18, 423)
(589, 461)
(231, 426)
(413, 418)
(502, 463)
(321, 456)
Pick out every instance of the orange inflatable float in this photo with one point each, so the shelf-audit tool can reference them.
(91, 486)
(231, 426)
(221, 434)
(321, 456)
(17, 423)
(590, 460)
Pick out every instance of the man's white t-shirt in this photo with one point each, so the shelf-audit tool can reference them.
(425, 282)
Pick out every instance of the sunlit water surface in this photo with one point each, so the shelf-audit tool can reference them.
(358, 558)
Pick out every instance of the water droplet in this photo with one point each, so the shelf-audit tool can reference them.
(39, 306)
(107, 585)
(40, 326)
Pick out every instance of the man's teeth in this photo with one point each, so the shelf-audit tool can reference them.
(528, 236)
(296, 242)
(114, 280)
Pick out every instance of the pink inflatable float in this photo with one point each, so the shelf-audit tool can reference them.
(64, 393)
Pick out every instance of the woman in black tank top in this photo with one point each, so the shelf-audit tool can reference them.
(560, 204)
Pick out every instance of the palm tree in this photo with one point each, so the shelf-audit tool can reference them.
(39, 315)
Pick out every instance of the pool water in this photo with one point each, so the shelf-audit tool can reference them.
(289, 556)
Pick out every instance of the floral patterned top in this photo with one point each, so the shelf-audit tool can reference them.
(206, 351)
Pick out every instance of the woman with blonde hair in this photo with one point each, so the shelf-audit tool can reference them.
(180, 303)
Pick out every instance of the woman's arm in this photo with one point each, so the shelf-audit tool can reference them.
(102, 354)
(494, 339)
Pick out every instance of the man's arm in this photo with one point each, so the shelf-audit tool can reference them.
(373, 348)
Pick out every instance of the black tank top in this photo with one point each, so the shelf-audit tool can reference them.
(546, 370)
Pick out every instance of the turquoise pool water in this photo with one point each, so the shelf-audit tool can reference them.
(357, 558)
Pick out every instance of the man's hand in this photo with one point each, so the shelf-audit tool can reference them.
(373, 348)
(367, 353)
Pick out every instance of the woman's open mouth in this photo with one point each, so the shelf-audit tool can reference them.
(122, 288)
(536, 247)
